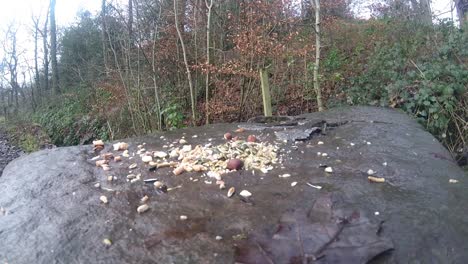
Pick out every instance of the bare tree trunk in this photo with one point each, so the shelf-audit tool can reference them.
(130, 18)
(187, 67)
(44, 34)
(318, 92)
(33, 97)
(196, 7)
(462, 11)
(103, 35)
(426, 12)
(14, 73)
(153, 67)
(53, 49)
(36, 63)
(207, 83)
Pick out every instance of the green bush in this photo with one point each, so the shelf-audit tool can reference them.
(68, 122)
(424, 75)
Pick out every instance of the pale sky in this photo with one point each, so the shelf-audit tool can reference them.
(66, 10)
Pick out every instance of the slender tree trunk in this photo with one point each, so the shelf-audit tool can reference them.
(426, 12)
(46, 53)
(462, 11)
(207, 83)
(33, 96)
(187, 67)
(103, 35)
(36, 62)
(153, 67)
(196, 6)
(130, 18)
(318, 92)
(14, 73)
(53, 49)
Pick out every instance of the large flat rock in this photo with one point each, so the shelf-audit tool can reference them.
(51, 210)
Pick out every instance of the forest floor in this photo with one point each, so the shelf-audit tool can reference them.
(8, 152)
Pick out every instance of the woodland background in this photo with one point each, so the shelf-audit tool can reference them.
(144, 66)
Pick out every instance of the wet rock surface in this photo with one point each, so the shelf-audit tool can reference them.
(51, 211)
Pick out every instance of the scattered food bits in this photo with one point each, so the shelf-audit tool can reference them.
(245, 193)
(329, 169)
(120, 146)
(453, 181)
(293, 184)
(158, 184)
(376, 179)
(199, 168)
(174, 154)
(179, 170)
(144, 199)
(227, 136)
(97, 143)
(370, 172)
(368, 143)
(186, 148)
(222, 185)
(100, 163)
(352, 144)
(240, 130)
(97, 185)
(251, 138)
(110, 178)
(146, 159)
(188, 168)
(117, 158)
(108, 156)
(376, 213)
(166, 164)
(234, 164)
(219, 238)
(107, 242)
(132, 166)
(213, 174)
(385, 163)
(182, 141)
(103, 199)
(183, 217)
(160, 154)
(142, 208)
(314, 186)
(320, 143)
(171, 189)
(324, 155)
(231, 192)
(286, 175)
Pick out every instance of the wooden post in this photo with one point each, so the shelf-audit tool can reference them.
(265, 92)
